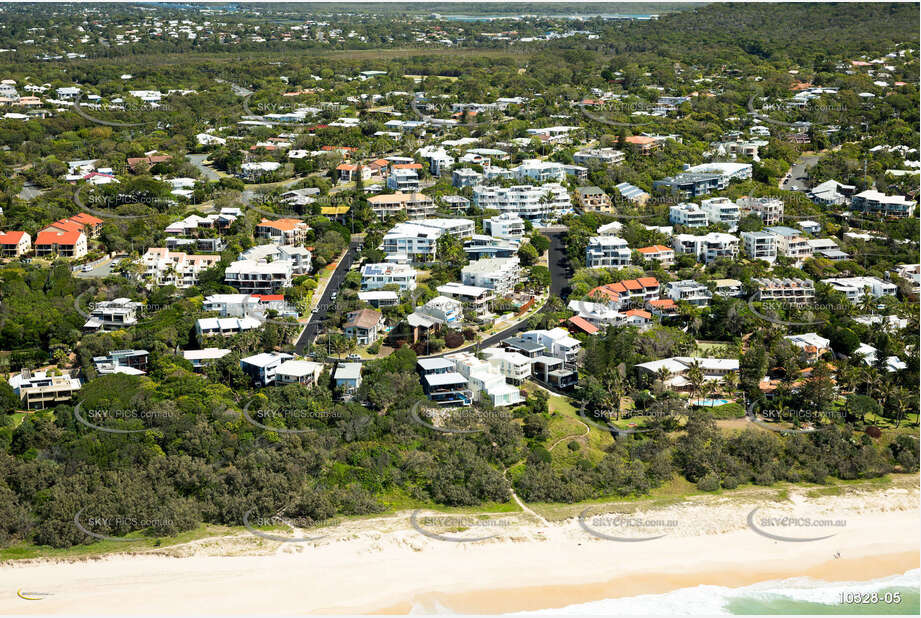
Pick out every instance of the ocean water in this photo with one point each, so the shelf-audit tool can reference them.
(800, 595)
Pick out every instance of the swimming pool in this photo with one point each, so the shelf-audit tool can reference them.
(709, 403)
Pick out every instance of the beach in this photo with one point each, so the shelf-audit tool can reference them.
(386, 565)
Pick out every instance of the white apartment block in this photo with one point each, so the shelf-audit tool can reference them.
(557, 342)
(600, 156)
(855, 288)
(466, 177)
(418, 238)
(282, 231)
(688, 215)
(514, 366)
(530, 169)
(299, 258)
(528, 202)
(722, 211)
(790, 291)
(507, 226)
(688, 291)
(393, 204)
(498, 274)
(875, 202)
(485, 380)
(791, 243)
(402, 179)
(769, 209)
(607, 252)
(164, 267)
(472, 297)
(708, 247)
(760, 246)
(376, 276)
(251, 277)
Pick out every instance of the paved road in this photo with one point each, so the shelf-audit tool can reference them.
(792, 182)
(316, 319)
(30, 192)
(558, 263)
(197, 161)
(99, 272)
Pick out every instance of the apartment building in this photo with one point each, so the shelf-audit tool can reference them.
(786, 290)
(769, 209)
(557, 343)
(876, 202)
(791, 243)
(508, 226)
(594, 199)
(498, 274)
(413, 204)
(252, 277)
(14, 244)
(728, 288)
(856, 288)
(473, 298)
(541, 203)
(298, 258)
(225, 327)
(442, 310)
(164, 267)
(688, 215)
(403, 180)
(760, 246)
(688, 291)
(376, 276)
(628, 291)
(42, 389)
(660, 253)
(282, 231)
(708, 247)
(466, 177)
(62, 244)
(721, 211)
(417, 242)
(485, 380)
(599, 156)
(689, 186)
(607, 252)
(110, 315)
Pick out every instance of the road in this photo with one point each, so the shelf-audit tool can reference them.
(29, 192)
(317, 318)
(792, 182)
(198, 161)
(100, 271)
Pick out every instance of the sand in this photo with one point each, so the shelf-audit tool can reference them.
(383, 565)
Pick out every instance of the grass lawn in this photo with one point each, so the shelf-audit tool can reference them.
(710, 348)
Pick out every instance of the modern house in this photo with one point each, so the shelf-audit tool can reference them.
(42, 389)
(200, 359)
(442, 383)
(689, 291)
(514, 366)
(760, 246)
(261, 367)
(557, 343)
(876, 202)
(376, 276)
(485, 380)
(721, 211)
(856, 288)
(111, 315)
(472, 297)
(688, 215)
(708, 247)
(607, 252)
(131, 362)
(508, 226)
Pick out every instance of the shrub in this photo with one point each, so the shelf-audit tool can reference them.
(710, 482)
(454, 339)
(573, 446)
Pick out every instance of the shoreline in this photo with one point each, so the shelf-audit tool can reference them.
(383, 565)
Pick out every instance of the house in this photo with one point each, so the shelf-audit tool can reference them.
(660, 253)
(642, 144)
(663, 307)
(472, 297)
(810, 227)
(677, 368)
(379, 298)
(689, 186)
(413, 204)
(256, 170)
(225, 327)
(607, 252)
(688, 215)
(593, 199)
(557, 343)
(347, 377)
(111, 315)
(466, 177)
(455, 203)
(376, 276)
(632, 193)
(261, 367)
(298, 372)
(147, 162)
(688, 291)
(14, 244)
(485, 380)
(349, 172)
(282, 231)
(811, 345)
(514, 366)
(721, 211)
(364, 326)
(581, 325)
(201, 359)
(480, 246)
(296, 257)
(553, 371)
(528, 348)
(508, 226)
(42, 389)
(728, 288)
(442, 383)
(855, 289)
(708, 247)
(787, 290)
(598, 156)
(442, 310)
(130, 362)
(498, 274)
(911, 273)
(63, 244)
(760, 246)
(875, 202)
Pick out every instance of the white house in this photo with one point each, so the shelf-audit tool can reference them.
(607, 252)
(498, 274)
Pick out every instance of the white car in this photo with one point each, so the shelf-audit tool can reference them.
(87, 268)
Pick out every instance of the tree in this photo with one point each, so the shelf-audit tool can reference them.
(527, 254)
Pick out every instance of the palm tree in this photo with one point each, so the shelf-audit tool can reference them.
(663, 374)
(695, 376)
(730, 383)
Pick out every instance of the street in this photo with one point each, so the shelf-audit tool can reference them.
(792, 182)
